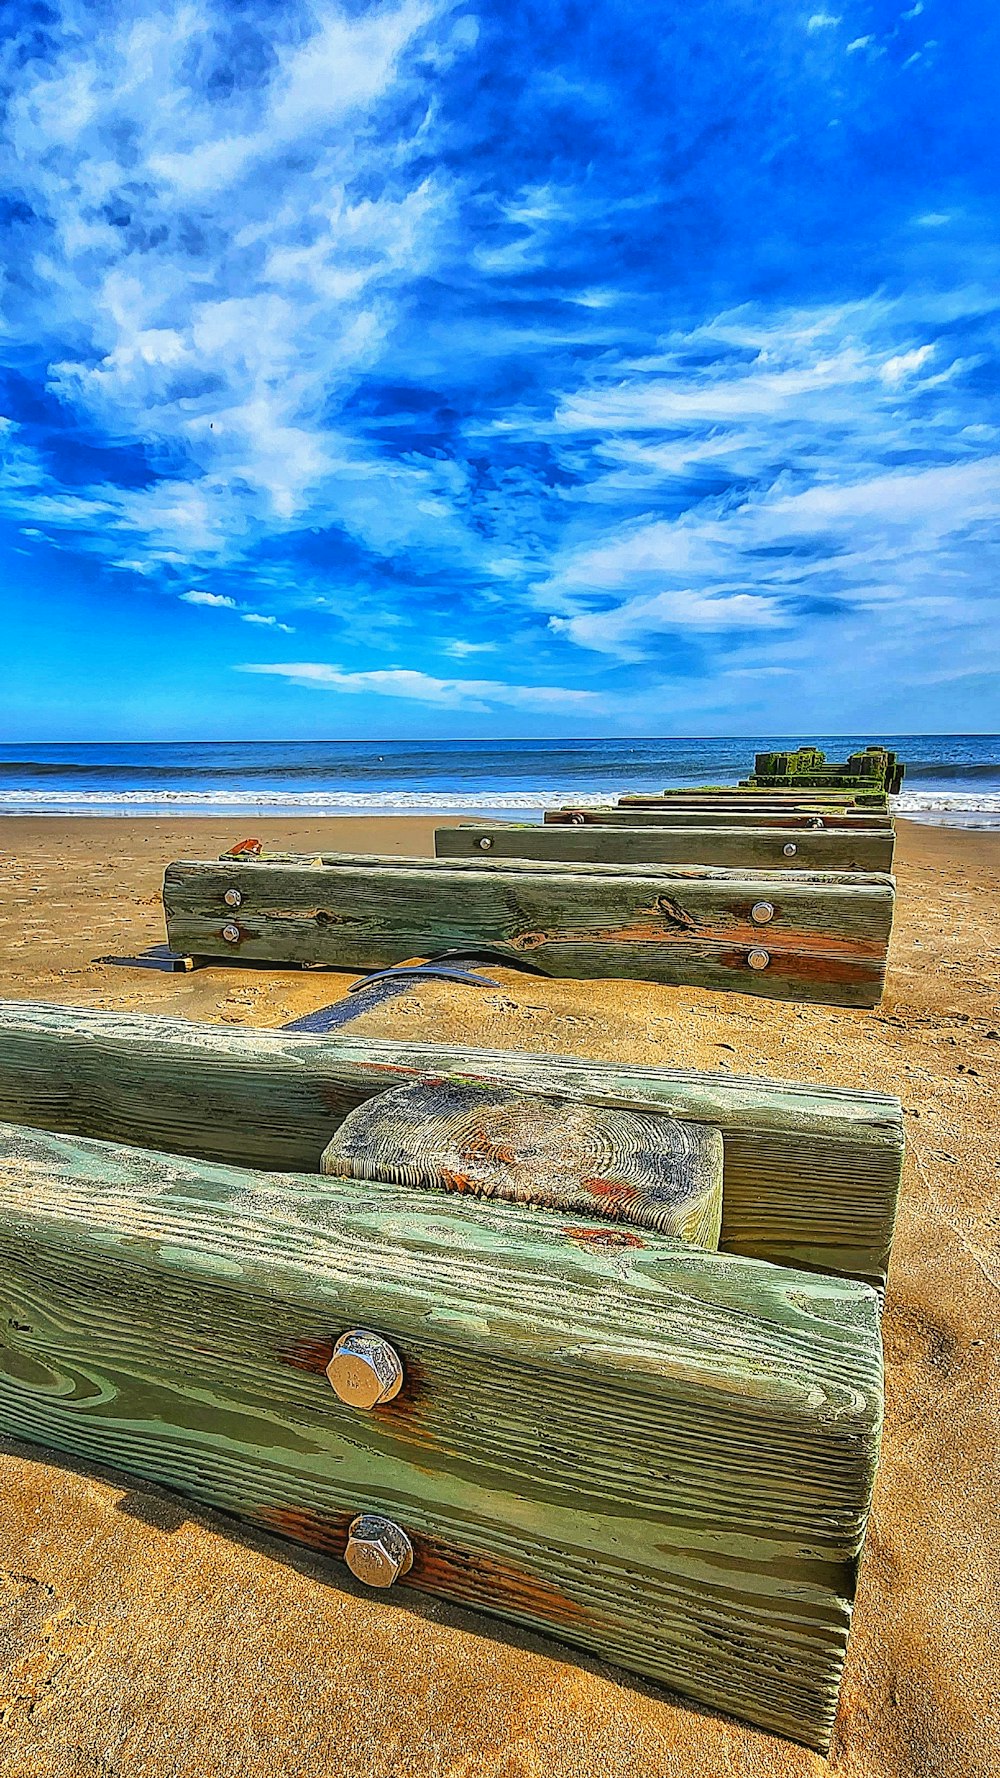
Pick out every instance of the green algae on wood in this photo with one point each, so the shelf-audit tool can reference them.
(661, 1456)
(780, 935)
(811, 1173)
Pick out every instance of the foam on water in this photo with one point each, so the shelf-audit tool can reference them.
(952, 779)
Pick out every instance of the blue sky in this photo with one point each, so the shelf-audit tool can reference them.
(426, 369)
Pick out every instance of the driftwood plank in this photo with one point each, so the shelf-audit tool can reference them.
(824, 939)
(674, 815)
(749, 848)
(811, 1174)
(661, 1457)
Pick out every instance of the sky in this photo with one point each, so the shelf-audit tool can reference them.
(434, 369)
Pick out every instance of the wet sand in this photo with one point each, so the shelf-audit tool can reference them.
(139, 1635)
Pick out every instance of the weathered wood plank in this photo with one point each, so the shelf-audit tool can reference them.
(661, 1457)
(747, 848)
(541, 1149)
(825, 938)
(852, 820)
(746, 792)
(810, 802)
(811, 1173)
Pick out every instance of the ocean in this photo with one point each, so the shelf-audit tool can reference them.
(954, 779)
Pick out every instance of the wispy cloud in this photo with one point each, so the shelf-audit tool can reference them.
(424, 688)
(430, 337)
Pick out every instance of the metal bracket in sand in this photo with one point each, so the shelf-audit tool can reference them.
(385, 984)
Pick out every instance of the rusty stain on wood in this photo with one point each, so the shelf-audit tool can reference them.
(604, 1237)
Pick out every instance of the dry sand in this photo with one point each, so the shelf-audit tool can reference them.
(139, 1635)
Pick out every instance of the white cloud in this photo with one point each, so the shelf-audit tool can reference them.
(626, 629)
(858, 43)
(461, 650)
(198, 598)
(271, 623)
(222, 280)
(822, 21)
(424, 688)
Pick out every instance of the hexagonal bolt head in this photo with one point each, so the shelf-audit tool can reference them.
(378, 1550)
(485, 844)
(364, 1370)
(231, 934)
(790, 850)
(762, 911)
(233, 898)
(759, 959)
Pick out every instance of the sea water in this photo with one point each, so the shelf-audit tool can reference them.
(950, 778)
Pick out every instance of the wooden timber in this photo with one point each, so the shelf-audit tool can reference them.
(673, 815)
(811, 1174)
(826, 939)
(749, 848)
(749, 792)
(661, 1456)
(876, 768)
(594, 1161)
(810, 802)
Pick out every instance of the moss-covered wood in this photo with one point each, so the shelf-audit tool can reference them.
(747, 848)
(824, 939)
(661, 1456)
(811, 1174)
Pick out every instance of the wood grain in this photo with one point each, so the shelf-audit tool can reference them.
(591, 1161)
(661, 1457)
(750, 796)
(811, 1174)
(746, 848)
(674, 815)
(827, 939)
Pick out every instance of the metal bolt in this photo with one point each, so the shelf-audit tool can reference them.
(233, 898)
(364, 1370)
(378, 1550)
(578, 820)
(485, 844)
(790, 850)
(231, 934)
(759, 959)
(762, 912)
(817, 821)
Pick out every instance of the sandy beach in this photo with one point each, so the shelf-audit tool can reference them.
(142, 1635)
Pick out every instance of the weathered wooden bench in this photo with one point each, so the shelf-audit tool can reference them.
(789, 935)
(747, 848)
(718, 815)
(656, 1452)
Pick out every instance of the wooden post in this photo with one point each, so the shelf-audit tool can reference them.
(784, 935)
(747, 848)
(659, 1455)
(811, 1174)
(674, 815)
